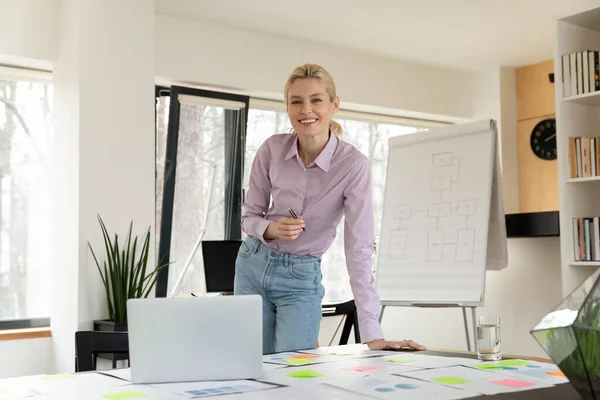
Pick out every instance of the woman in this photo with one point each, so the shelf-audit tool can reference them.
(300, 186)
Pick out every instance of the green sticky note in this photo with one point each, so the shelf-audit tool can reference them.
(299, 361)
(514, 363)
(306, 373)
(401, 360)
(450, 380)
(489, 366)
(58, 377)
(124, 395)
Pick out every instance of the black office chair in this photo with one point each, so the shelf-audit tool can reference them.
(348, 309)
(88, 344)
(218, 258)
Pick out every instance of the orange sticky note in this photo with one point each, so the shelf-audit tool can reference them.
(305, 356)
(557, 373)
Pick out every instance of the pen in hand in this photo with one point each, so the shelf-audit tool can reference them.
(293, 214)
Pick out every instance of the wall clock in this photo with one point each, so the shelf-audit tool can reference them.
(543, 139)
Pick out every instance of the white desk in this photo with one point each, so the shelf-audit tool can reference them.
(340, 372)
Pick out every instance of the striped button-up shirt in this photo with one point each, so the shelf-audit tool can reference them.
(336, 184)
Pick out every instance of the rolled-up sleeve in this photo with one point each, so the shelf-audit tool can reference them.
(358, 243)
(258, 197)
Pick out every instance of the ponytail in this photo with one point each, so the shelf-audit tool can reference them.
(335, 128)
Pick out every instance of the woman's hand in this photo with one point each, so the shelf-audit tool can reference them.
(381, 344)
(284, 229)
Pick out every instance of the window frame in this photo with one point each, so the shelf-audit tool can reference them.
(233, 174)
(31, 75)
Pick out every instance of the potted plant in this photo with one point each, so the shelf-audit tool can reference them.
(124, 274)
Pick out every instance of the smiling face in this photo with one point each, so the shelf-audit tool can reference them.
(310, 108)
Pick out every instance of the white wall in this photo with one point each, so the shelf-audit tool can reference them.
(206, 54)
(508, 140)
(103, 151)
(28, 32)
(26, 357)
(494, 96)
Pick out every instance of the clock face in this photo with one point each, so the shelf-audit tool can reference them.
(543, 139)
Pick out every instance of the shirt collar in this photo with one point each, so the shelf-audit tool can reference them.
(323, 160)
(293, 151)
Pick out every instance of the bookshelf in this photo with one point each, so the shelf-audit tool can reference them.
(586, 99)
(581, 180)
(585, 263)
(577, 115)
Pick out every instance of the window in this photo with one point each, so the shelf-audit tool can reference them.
(369, 134)
(199, 139)
(25, 137)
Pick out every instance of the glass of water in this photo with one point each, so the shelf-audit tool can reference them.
(488, 339)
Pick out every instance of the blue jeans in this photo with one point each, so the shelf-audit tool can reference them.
(291, 289)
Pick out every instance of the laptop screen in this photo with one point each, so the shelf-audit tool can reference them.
(219, 264)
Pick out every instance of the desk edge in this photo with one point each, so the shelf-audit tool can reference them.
(472, 353)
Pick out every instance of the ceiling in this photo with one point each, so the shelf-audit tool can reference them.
(464, 34)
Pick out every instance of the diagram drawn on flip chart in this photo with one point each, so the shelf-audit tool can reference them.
(445, 174)
(442, 208)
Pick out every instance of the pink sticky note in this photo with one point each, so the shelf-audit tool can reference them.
(513, 383)
(360, 368)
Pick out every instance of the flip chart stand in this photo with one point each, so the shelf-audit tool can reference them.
(464, 307)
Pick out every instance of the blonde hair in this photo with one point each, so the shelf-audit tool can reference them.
(320, 73)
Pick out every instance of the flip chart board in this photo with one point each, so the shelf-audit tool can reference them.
(443, 219)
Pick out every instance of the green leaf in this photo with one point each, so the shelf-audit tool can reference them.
(111, 309)
(144, 263)
(128, 262)
(125, 272)
(136, 276)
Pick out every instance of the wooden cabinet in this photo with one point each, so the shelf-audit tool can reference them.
(538, 182)
(535, 92)
(538, 179)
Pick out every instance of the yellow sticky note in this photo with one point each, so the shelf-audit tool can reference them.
(4, 391)
(124, 395)
(298, 361)
(450, 380)
(58, 377)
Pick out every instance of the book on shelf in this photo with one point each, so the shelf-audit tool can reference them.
(580, 72)
(586, 239)
(584, 156)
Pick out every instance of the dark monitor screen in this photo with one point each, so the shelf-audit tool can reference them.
(219, 264)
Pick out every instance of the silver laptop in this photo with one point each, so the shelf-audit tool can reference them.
(195, 339)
